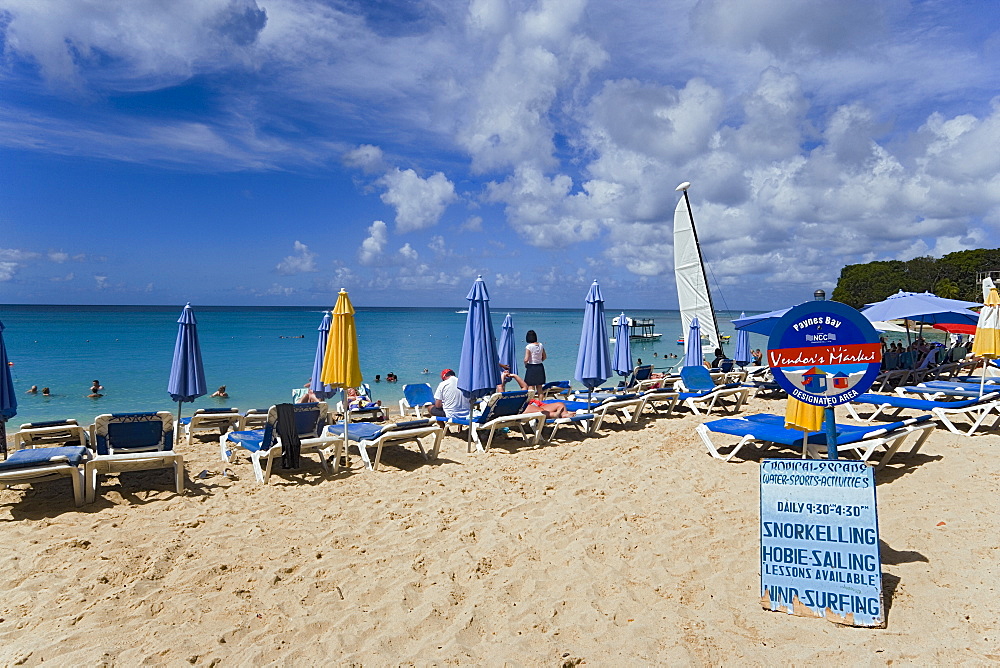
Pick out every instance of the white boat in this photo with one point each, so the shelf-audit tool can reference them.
(693, 295)
(638, 328)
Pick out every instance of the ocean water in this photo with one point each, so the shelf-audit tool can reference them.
(254, 352)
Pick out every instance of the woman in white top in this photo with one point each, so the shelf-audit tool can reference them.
(534, 355)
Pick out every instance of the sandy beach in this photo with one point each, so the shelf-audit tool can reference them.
(634, 548)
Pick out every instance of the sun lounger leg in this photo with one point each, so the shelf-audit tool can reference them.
(179, 473)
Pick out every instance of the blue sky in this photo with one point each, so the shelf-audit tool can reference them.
(273, 151)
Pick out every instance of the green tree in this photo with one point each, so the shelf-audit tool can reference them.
(947, 288)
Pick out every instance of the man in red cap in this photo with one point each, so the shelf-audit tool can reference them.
(448, 399)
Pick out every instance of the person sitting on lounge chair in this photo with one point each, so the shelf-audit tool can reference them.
(448, 399)
(554, 409)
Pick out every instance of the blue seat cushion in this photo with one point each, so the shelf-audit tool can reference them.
(73, 455)
(357, 431)
(252, 440)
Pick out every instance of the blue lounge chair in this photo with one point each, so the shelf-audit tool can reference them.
(760, 430)
(31, 465)
(977, 409)
(263, 445)
(503, 409)
(132, 442)
(626, 408)
(366, 409)
(367, 435)
(416, 398)
(208, 419)
(701, 392)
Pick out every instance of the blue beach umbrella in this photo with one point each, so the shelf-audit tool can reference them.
(318, 387)
(593, 361)
(508, 349)
(8, 400)
(187, 375)
(478, 368)
(742, 353)
(692, 344)
(762, 323)
(623, 348)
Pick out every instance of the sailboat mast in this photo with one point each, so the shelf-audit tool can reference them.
(701, 261)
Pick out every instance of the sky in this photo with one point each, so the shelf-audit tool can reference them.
(271, 152)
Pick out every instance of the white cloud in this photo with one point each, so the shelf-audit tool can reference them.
(373, 245)
(62, 279)
(101, 281)
(12, 259)
(419, 202)
(58, 256)
(408, 253)
(303, 261)
(365, 157)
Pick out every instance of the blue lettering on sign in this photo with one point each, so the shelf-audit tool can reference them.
(819, 547)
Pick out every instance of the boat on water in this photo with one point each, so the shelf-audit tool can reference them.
(693, 295)
(642, 329)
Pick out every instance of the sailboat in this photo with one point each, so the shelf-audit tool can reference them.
(693, 294)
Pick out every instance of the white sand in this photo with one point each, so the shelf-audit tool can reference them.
(630, 549)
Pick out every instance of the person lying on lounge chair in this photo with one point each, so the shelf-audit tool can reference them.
(555, 409)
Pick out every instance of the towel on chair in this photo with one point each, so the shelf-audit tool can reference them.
(291, 447)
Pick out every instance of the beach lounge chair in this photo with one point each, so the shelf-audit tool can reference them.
(502, 409)
(366, 409)
(255, 418)
(209, 419)
(702, 394)
(581, 422)
(760, 430)
(661, 401)
(264, 446)
(30, 465)
(976, 409)
(416, 398)
(555, 388)
(367, 435)
(626, 408)
(52, 432)
(132, 442)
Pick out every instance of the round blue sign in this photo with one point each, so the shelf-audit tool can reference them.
(824, 353)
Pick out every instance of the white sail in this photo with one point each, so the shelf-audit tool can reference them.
(689, 272)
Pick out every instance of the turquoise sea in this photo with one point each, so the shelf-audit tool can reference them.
(252, 350)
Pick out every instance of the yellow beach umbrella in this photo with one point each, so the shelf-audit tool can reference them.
(340, 365)
(987, 343)
(803, 416)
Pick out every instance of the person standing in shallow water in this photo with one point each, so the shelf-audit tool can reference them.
(534, 355)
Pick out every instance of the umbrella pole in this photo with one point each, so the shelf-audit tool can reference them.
(3, 437)
(982, 381)
(177, 427)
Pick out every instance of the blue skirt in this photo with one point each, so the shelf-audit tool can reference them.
(534, 374)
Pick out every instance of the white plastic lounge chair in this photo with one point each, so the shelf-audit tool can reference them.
(976, 409)
(661, 401)
(31, 465)
(367, 435)
(209, 419)
(416, 398)
(760, 430)
(502, 409)
(255, 418)
(53, 432)
(367, 409)
(263, 445)
(133, 442)
(626, 408)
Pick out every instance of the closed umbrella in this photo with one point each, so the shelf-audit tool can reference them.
(593, 361)
(341, 368)
(987, 342)
(8, 400)
(318, 387)
(508, 347)
(478, 368)
(187, 374)
(692, 345)
(623, 348)
(742, 353)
